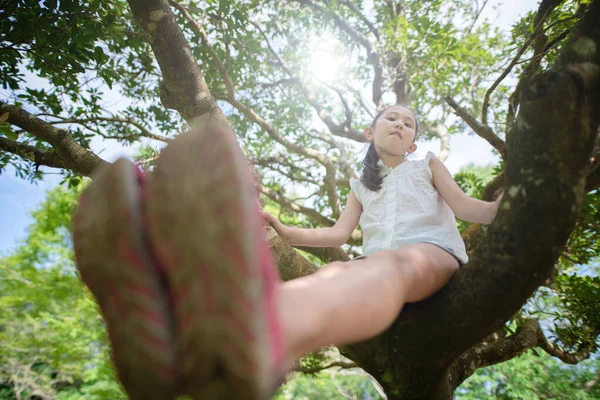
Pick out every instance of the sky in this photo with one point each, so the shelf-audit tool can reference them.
(19, 198)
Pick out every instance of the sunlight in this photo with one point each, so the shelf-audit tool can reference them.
(324, 63)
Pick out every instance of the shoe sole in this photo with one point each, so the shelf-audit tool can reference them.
(205, 228)
(113, 260)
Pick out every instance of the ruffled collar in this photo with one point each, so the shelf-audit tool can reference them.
(384, 170)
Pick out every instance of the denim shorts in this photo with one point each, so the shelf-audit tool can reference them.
(447, 249)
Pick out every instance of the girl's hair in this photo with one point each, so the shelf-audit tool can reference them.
(370, 175)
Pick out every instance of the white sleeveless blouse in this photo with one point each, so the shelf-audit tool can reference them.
(407, 209)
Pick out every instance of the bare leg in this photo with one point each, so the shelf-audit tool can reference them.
(349, 302)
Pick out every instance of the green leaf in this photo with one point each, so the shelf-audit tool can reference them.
(7, 131)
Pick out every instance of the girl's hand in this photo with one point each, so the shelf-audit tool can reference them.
(499, 199)
(274, 222)
(497, 204)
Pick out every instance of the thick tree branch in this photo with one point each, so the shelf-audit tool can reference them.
(400, 84)
(326, 254)
(481, 129)
(541, 48)
(528, 336)
(291, 264)
(72, 155)
(486, 354)
(183, 88)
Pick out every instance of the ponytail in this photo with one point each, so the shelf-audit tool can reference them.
(371, 177)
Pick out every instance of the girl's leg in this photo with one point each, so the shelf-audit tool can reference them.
(354, 301)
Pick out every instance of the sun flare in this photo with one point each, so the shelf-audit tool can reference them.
(324, 62)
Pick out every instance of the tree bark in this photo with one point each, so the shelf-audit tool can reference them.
(183, 87)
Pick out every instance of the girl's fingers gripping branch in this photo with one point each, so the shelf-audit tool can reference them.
(273, 221)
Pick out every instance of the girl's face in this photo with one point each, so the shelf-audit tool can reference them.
(394, 132)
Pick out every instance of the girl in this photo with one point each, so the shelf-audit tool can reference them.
(188, 289)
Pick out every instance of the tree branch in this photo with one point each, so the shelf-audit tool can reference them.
(345, 128)
(477, 15)
(343, 160)
(285, 81)
(72, 155)
(541, 47)
(481, 129)
(528, 336)
(544, 10)
(583, 351)
(326, 254)
(362, 17)
(291, 264)
(269, 163)
(32, 154)
(332, 364)
(129, 121)
(183, 87)
(288, 204)
(440, 130)
(372, 56)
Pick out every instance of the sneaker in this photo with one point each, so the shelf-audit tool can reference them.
(209, 238)
(112, 255)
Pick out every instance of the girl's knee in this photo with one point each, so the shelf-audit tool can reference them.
(334, 268)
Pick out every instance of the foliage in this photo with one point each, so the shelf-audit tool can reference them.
(327, 386)
(473, 180)
(52, 338)
(580, 320)
(533, 377)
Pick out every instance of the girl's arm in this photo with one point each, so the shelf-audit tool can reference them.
(463, 206)
(335, 236)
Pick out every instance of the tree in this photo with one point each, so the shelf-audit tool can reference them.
(244, 61)
(52, 338)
